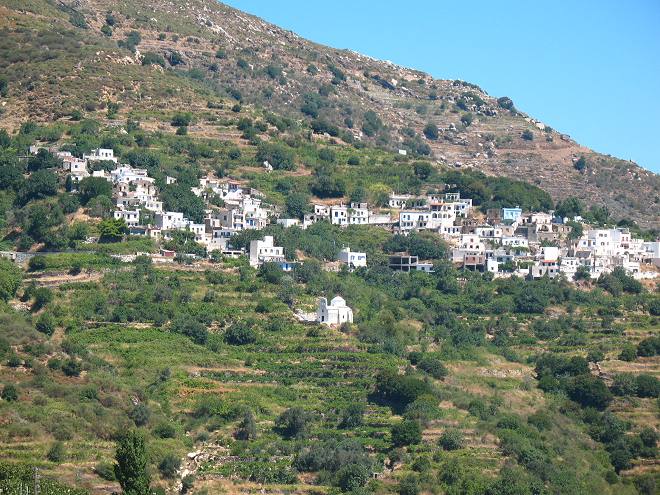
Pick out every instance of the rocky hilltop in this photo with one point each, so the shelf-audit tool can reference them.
(61, 54)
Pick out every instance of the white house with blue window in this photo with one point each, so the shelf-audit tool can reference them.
(352, 258)
(511, 214)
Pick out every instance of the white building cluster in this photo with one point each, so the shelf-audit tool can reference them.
(507, 241)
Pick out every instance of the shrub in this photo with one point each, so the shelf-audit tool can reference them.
(45, 324)
(140, 414)
(589, 391)
(624, 384)
(352, 477)
(72, 367)
(352, 416)
(106, 471)
(647, 386)
(293, 423)
(56, 453)
(165, 430)
(247, 428)
(527, 135)
(409, 485)
(433, 366)
(451, 439)
(406, 433)
(278, 155)
(169, 466)
(181, 119)
(649, 347)
(240, 333)
(431, 131)
(9, 393)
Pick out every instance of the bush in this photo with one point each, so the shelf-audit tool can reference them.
(352, 416)
(72, 367)
(240, 333)
(409, 485)
(647, 386)
(589, 391)
(9, 393)
(431, 131)
(56, 453)
(165, 430)
(140, 414)
(247, 428)
(433, 366)
(169, 466)
(293, 423)
(451, 439)
(106, 471)
(628, 353)
(527, 135)
(649, 347)
(278, 155)
(406, 433)
(505, 102)
(45, 324)
(352, 477)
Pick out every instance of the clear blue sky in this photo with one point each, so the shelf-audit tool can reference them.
(589, 68)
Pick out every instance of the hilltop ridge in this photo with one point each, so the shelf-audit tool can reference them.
(220, 50)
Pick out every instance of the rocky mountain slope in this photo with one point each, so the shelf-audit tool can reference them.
(58, 56)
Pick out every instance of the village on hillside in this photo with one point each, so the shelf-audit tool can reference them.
(504, 242)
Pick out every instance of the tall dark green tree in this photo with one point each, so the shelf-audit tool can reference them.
(131, 467)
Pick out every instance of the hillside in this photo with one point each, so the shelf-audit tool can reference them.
(57, 60)
(182, 184)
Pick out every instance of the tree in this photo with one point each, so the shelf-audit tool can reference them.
(240, 333)
(247, 428)
(352, 477)
(10, 279)
(191, 328)
(569, 207)
(647, 386)
(293, 423)
(406, 433)
(431, 131)
(112, 230)
(9, 393)
(131, 467)
(297, 205)
(433, 366)
(91, 187)
(505, 102)
(152, 58)
(451, 439)
(40, 184)
(409, 485)
(423, 170)
(279, 156)
(352, 416)
(624, 384)
(580, 164)
(589, 391)
(42, 160)
(182, 119)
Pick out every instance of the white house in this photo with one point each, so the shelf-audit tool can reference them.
(101, 154)
(351, 258)
(131, 217)
(264, 251)
(335, 313)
